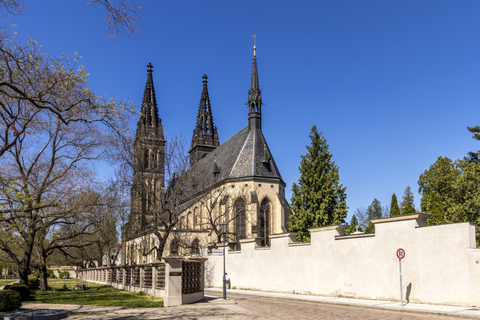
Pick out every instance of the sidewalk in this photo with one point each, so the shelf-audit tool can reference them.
(377, 304)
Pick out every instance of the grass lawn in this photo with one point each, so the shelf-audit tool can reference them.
(96, 294)
(3, 282)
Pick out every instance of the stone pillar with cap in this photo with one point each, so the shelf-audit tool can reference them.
(173, 281)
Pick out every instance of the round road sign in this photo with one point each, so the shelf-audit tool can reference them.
(400, 253)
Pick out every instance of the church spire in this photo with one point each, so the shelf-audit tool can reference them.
(205, 137)
(254, 94)
(149, 111)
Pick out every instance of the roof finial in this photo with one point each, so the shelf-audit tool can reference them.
(205, 78)
(254, 44)
(150, 67)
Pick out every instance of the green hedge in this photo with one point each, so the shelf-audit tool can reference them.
(50, 274)
(9, 300)
(33, 283)
(22, 289)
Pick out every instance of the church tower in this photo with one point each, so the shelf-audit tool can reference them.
(149, 157)
(205, 136)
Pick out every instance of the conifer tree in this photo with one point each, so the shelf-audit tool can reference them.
(318, 199)
(374, 211)
(407, 206)
(353, 225)
(394, 208)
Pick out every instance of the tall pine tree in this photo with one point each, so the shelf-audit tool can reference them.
(394, 208)
(374, 211)
(407, 206)
(318, 199)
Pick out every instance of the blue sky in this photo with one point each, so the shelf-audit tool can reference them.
(392, 84)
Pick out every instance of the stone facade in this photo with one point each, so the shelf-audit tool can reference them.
(237, 182)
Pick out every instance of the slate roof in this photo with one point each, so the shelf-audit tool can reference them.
(245, 155)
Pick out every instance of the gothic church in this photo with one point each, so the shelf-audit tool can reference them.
(236, 182)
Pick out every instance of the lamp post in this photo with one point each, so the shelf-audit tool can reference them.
(175, 240)
(224, 231)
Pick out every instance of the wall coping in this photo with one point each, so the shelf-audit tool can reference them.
(413, 216)
(247, 240)
(299, 244)
(354, 236)
(338, 227)
(283, 235)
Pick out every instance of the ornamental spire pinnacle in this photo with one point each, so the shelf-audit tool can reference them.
(149, 111)
(205, 137)
(254, 94)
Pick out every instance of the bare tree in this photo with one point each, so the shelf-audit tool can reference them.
(219, 205)
(121, 15)
(10, 7)
(53, 130)
(33, 84)
(148, 229)
(362, 216)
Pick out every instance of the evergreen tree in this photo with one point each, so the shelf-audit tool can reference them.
(374, 211)
(353, 225)
(318, 199)
(394, 208)
(407, 206)
(435, 207)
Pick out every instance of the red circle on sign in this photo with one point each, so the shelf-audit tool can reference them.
(400, 253)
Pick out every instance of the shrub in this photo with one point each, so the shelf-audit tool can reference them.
(9, 300)
(7, 287)
(64, 275)
(50, 274)
(33, 283)
(22, 289)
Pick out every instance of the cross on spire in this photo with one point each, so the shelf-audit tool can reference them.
(205, 78)
(150, 67)
(254, 44)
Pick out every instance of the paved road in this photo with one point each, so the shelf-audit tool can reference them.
(274, 308)
(241, 307)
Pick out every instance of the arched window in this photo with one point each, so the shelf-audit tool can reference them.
(189, 221)
(196, 219)
(241, 221)
(182, 223)
(145, 158)
(195, 247)
(263, 222)
(152, 161)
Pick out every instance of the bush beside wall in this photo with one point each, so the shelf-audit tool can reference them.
(22, 289)
(9, 300)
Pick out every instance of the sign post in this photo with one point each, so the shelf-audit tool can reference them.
(400, 256)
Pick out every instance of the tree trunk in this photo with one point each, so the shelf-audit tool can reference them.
(99, 256)
(161, 244)
(43, 277)
(23, 272)
(42, 266)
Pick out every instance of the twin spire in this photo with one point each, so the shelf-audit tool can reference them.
(205, 136)
(149, 112)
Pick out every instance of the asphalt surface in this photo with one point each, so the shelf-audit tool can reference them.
(264, 305)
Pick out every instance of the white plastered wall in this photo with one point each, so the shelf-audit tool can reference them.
(441, 264)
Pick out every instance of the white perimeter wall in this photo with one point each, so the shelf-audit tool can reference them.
(441, 263)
